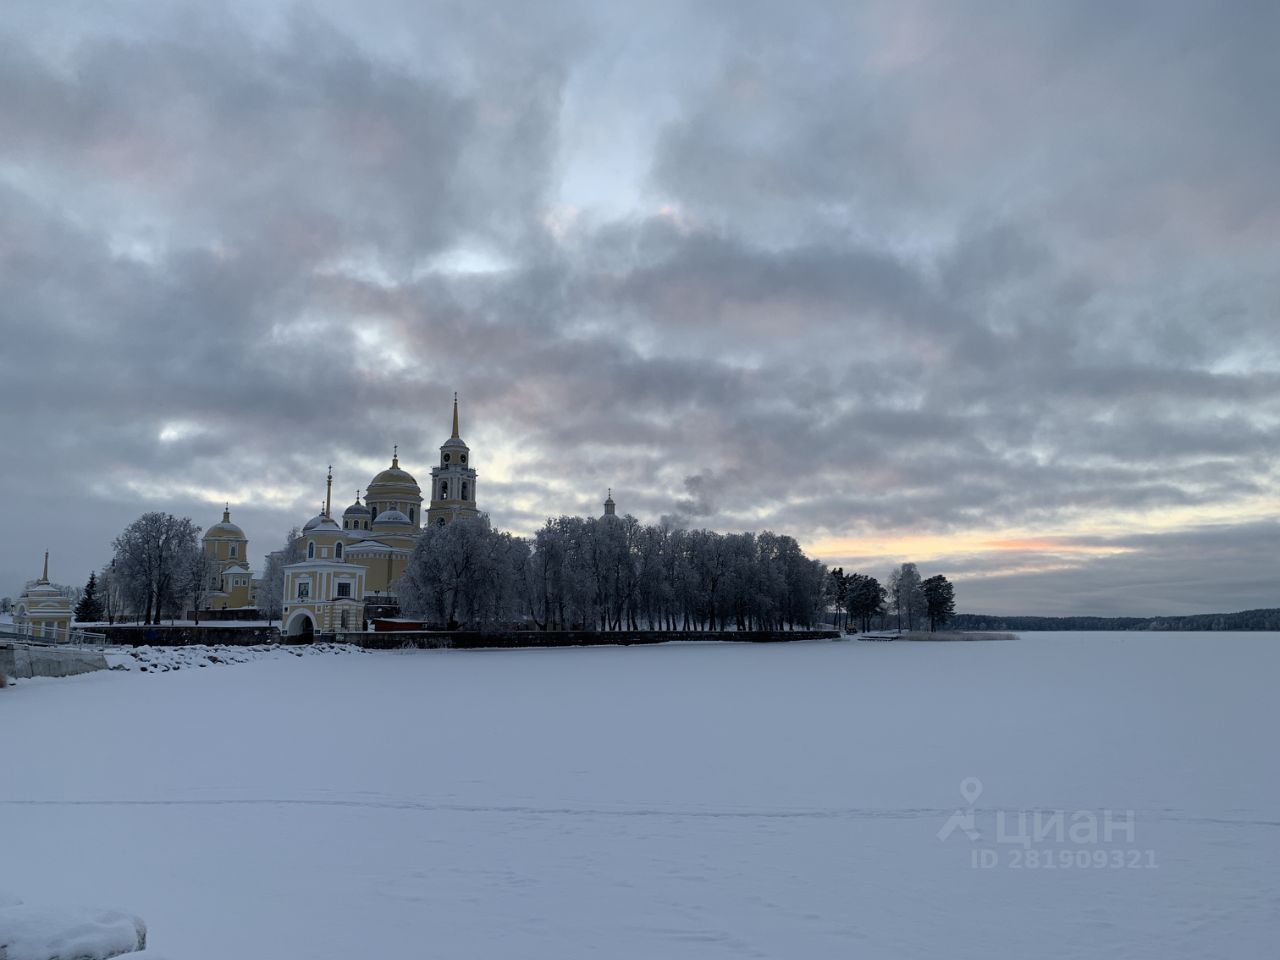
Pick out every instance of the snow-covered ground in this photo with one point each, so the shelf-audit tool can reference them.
(677, 801)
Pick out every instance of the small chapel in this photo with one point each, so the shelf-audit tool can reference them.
(43, 610)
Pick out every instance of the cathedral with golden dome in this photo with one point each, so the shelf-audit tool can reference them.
(346, 564)
(231, 583)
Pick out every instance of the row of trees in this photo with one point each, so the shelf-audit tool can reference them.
(908, 602)
(612, 573)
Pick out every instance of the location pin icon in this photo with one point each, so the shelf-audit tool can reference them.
(970, 789)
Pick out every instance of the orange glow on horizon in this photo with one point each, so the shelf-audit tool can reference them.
(1023, 550)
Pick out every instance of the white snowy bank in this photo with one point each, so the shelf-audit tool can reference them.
(164, 659)
(42, 932)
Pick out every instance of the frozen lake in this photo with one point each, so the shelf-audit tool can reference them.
(678, 801)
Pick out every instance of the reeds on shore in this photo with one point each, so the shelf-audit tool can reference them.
(958, 635)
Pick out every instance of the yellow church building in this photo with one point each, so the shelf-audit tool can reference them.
(230, 585)
(360, 559)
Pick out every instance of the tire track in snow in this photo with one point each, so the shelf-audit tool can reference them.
(835, 813)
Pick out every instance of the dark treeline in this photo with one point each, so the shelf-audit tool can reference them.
(907, 603)
(612, 573)
(1244, 620)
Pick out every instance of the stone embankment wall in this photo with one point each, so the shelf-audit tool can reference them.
(181, 636)
(21, 661)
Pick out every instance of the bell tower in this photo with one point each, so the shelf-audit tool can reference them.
(453, 481)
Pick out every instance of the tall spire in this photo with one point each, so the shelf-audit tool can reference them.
(226, 513)
(455, 415)
(44, 577)
(328, 493)
(395, 455)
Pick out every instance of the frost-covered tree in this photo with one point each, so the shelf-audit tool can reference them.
(198, 576)
(466, 573)
(612, 573)
(907, 597)
(270, 597)
(151, 557)
(112, 593)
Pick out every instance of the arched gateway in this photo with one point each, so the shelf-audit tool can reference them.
(300, 628)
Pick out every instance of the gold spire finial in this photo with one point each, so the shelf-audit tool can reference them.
(455, 415)
(328, 493)
(395, 455)
(226, 512)
(44, 577)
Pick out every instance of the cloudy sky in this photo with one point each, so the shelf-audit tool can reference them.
(994, 287)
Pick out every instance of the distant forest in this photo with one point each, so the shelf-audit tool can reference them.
(1244, 620)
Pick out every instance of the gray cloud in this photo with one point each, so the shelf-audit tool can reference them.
(880, 270)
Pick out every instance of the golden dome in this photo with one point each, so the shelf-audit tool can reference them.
(225, 529)
(392, 480)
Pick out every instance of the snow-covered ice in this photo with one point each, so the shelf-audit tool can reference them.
(703, 800)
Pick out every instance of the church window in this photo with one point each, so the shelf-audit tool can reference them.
(337, 551)
(344, 588)
(462, 457)
(439, 521)
(411, 515)
(446, 458)
(311, 550)
(233, 550)
(444, 489)
(464, 491)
